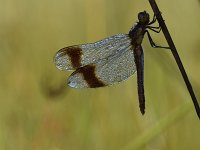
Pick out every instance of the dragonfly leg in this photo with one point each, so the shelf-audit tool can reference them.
(153, 21)
(153, 43)
(154, 29)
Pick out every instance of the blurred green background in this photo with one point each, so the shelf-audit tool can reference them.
(39, 112)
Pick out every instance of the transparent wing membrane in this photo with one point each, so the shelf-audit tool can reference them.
(73, 57)
(114, 69)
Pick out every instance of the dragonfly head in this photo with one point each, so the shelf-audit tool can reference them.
(143, 17)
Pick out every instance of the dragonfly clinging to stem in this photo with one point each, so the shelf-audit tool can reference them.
(110, 60)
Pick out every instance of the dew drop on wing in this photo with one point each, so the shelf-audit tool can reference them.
(72, 84)
(77, 81)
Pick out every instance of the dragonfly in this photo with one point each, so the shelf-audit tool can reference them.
(111, 60)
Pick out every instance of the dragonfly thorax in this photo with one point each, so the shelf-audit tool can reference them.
(138, 30)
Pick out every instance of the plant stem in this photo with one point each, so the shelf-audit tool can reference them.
(175, 54)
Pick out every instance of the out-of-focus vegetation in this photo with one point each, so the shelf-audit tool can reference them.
(39, 112)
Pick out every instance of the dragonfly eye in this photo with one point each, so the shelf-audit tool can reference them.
(143, 17)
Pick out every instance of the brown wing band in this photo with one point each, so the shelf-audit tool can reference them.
(74, 54)
(89, 76)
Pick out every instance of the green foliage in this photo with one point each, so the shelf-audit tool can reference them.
(39, 112)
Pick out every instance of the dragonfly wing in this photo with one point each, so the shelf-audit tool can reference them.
(109, 71)
(73, 57)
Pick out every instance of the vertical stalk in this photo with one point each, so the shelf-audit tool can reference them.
(175, 54)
